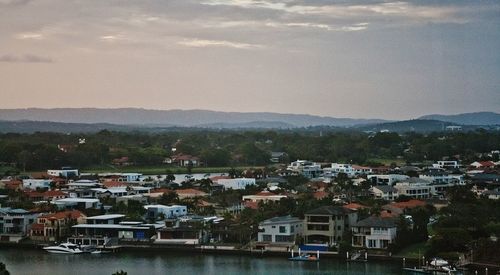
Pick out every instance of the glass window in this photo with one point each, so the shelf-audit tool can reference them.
(282, 229)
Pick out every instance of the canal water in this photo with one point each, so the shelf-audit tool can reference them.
(32, 261)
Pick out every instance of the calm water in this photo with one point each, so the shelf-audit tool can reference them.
(148, 263)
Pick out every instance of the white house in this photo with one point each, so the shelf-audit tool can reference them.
(414, 187)
(236, 184)
(385, 192)
(264, 196)
(374, 233)
(172, 211)
(343, 168)
(446, 164)
(36, 183)
(130, 177)
(65, 172)
(306, 168)
(81, 203)
(280, 230)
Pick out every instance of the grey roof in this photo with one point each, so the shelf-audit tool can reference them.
(386, 188)
(282, 219)
(376, 222)
(330, 210)
(416, 180)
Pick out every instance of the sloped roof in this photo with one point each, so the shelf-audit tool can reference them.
(376, 222)
(386, 188)
(330, 210)
(74, 214)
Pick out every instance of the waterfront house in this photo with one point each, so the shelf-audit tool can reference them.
(154, 211)
(374, 233)
(189, 230)
(280, 230)
(111, 229)
(327, 224)
(51, 227)
(15, 224)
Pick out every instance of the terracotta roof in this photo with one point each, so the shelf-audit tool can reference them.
(408, 204)
(37, 226)
(251, 204)
(387, 214)
(110, 184)
(161, 190)
(184, 157)
(73, 214)
(191, 191)
(320, 195)
(354, 206)
(46, 194)
(216, 178)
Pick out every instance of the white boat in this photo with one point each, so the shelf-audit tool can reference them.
(64, 248)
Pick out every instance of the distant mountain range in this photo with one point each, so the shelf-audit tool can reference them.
(166, 118)
(132, 119)
(479, 118)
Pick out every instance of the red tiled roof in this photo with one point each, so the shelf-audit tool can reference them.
(161, 190)
(387, 214)
(73, 214)
(37, 226)
(251, 204)
(110, 184)
(408, 204)
(354, 206)
(216, 178)
(190, 191)
(320, 195)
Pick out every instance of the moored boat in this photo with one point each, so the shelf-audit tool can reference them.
(64, 248)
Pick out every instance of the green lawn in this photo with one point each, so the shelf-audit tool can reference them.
(413, 251)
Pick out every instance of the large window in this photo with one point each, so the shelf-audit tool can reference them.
(282, 238)
(324, 219)
(282, 229)
(267, 238)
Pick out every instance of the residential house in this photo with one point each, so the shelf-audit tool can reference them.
(34, 184)
(15, 223)
(154, 211)
(374, 233)
(483, 164)
(279, 157)
(190, 193)
(399, 208)
(50, 195)
(327, 224)
(110, 229)
(447, 164)
(389, 179)
(263, 196)
(65, 172)
(306, 168)
(385, 192)
(283, 229)
(78, 203)
(415, 188)
(185, 160)
(236, 184)
(189, 230)
(51, 227)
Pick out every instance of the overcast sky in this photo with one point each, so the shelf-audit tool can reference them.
(370, 59)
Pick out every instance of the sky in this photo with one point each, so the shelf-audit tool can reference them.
(340, 58)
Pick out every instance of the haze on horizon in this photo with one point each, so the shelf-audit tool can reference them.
(370, 59)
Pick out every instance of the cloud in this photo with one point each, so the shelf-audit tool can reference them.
(202, 43)
(27, 58)
(30, 36)
(342, 11)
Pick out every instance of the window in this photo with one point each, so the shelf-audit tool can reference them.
(282, 238)
(274, 226)
(267, 238)
(292, 229)
(282, 229)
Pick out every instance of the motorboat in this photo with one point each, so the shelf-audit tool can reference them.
(64, 248)
(304, 258)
